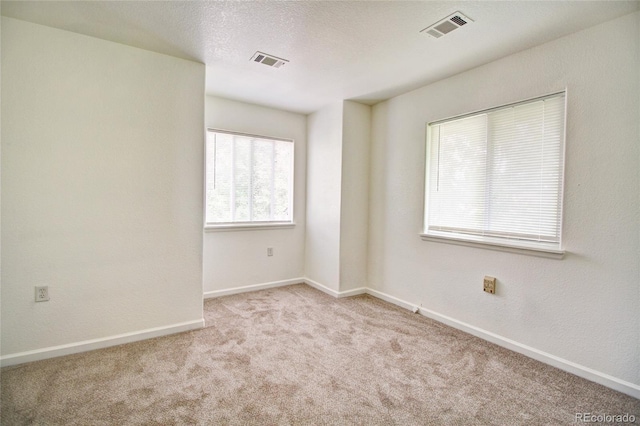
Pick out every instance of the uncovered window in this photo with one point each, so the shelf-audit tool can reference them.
(249, 180)
(496, 177)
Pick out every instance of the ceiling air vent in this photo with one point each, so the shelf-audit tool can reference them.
(446, 25)
(269, 60)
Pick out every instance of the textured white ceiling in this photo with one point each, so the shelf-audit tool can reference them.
(361, 50)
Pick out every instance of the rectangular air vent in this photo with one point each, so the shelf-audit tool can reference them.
(446, 25)
(269, 60)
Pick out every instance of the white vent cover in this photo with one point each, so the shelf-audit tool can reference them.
(269, 60)
(446, 25)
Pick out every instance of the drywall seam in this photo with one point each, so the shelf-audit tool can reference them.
(105, 342)
(253, 287)
(552, 360)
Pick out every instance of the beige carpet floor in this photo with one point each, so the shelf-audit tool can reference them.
(293, 355)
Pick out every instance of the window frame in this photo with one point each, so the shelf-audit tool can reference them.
(256, 224)
(542, 249)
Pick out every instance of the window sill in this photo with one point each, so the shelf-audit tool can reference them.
(248, 226)
(492, 244)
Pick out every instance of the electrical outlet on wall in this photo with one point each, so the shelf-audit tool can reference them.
(269, 251)
(42, 293)
(490, 284)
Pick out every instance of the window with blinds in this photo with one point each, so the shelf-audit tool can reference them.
(249, 179)
(496, 176)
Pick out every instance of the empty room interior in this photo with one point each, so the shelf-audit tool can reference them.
(319, 212)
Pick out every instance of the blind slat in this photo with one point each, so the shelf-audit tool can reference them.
(499, 172)
(248, 178)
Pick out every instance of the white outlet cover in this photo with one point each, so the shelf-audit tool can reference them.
(42, 293)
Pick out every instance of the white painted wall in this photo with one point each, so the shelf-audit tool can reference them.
(102, 188)
(324, 180)
(583, 308)
(354, 223)
(239, 258)
(0, 177)
(338, 196)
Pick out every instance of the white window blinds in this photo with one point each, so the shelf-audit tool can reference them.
(248, 179)
(498, 173)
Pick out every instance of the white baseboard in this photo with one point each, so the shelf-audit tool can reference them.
(563, 364)
(253, 287)
(334, 293)
(321, 287)
(89, 345)
(312, 283)
(352, 292)
(390, 299)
